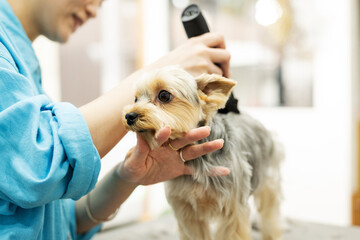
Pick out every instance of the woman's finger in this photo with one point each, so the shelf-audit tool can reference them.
(219, 55)
(195, 151)
(217, 171)
(141, 147)
(193, 135)
(215, 68)
(213, 40)
(222, 60)
(163, 135)
(225, 66)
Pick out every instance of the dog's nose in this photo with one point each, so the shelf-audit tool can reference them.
(131, 118)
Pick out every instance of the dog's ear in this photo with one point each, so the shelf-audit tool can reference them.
(214, 91)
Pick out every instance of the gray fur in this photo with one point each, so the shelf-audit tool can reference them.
(248, 148)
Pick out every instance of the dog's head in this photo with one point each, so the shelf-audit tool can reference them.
(171, 96)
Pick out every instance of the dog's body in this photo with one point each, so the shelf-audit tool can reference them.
(249, 151)
(253, 158)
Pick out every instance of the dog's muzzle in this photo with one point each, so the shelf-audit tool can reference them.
(131, 118)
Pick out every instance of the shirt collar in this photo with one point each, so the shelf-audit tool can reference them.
(21, 43)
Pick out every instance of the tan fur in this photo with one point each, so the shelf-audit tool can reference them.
(213, 92)
(196, 101)
(267, 200)
(180, 114)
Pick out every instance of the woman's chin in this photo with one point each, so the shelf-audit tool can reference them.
(60, 37)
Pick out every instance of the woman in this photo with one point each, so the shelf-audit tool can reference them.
(50, 152)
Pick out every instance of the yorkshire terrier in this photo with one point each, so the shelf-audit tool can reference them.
(172, 97)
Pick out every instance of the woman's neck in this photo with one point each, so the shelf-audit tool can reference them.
(23, 10)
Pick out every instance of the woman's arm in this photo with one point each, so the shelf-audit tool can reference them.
(103, 115)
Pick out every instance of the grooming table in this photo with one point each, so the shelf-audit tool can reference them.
(165, 228)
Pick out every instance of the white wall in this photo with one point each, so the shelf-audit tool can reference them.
(320, 142)
(48, 55)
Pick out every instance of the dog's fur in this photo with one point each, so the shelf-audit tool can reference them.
(249, 151)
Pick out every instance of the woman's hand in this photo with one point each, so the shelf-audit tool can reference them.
(143, 166)
(202, 54)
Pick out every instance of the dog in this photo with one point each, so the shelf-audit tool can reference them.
(171, 96)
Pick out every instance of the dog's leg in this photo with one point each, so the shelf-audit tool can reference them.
(267, 199)
(190, 226)
(190, 229)
(235, 225)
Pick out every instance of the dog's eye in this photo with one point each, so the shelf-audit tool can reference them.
(164, 96)
(135, 99)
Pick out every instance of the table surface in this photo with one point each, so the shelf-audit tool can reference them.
(165, 228)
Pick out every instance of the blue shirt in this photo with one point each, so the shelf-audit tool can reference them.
(47, 157)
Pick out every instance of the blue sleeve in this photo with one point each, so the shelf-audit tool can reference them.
(46, 148)
(86, 236)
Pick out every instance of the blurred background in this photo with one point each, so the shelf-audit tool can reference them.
(296, 63)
